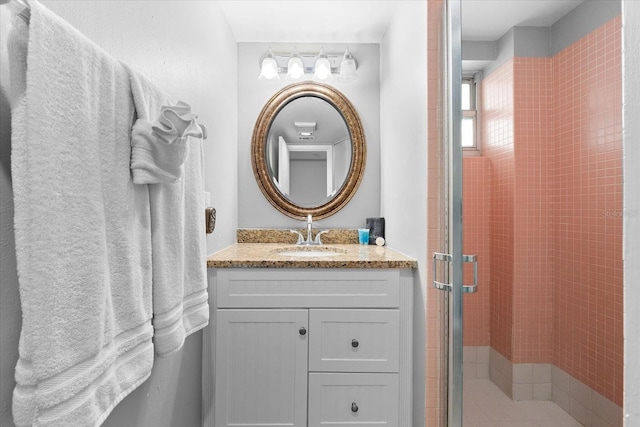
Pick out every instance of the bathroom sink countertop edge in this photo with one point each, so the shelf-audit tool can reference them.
(269, 255)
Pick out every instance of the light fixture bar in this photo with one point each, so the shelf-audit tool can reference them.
(308, 61)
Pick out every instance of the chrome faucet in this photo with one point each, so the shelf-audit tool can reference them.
(309, 225)
(309, 241)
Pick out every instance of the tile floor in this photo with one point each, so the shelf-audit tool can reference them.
(485, 405)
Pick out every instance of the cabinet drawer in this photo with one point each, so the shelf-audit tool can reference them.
(306, 288)
(354, 340)
(341, 400)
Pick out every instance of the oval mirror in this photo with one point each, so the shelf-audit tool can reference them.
(308, 150)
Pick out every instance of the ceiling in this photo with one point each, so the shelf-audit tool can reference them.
(365, 21)
(309, 21)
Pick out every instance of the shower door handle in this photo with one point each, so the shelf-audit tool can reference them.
(437, 256)
(445, 286)
(469, 289)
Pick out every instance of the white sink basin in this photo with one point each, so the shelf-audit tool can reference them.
(310, 252)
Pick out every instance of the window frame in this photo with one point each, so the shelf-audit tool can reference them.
(473, 113)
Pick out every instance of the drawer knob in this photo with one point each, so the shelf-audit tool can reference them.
(354, 407)
(303, 331)
(355, 344)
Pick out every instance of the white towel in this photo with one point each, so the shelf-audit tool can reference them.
(159, 150)
(180, 300)
(82, 230)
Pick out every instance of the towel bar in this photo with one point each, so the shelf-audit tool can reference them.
(19, 7)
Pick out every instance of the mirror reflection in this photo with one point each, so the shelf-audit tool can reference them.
(308, 151)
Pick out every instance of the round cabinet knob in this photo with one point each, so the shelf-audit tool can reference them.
(303, 331)
(354, 344)
(354, 407)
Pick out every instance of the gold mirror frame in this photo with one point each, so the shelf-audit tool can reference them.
(259, 140)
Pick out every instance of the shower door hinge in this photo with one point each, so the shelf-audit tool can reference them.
(467, 289)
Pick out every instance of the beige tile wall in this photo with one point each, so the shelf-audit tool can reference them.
(543, 381)
(501, 372)
(531, 381)
(587, 406)
(475, 362)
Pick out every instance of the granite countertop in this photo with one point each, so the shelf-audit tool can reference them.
(268, 255)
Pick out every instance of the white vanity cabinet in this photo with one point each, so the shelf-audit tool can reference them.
(308, 347)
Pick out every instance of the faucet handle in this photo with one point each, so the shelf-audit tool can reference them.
(317, 240)
(300, 237)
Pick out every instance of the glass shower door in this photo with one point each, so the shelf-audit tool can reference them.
(447, 268)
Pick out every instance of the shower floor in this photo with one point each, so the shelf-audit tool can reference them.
(485, 405)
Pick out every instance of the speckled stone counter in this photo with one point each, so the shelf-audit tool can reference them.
(270, 255)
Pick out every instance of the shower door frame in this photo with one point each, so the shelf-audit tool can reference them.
(454, 63)
(450, 278)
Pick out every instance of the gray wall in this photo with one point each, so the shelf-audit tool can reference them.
(523, 42)
(403, 132)
(543, 41)
(254, 211)
(581, 21)
(178, 45)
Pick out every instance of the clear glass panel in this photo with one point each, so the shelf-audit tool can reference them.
(468, 131)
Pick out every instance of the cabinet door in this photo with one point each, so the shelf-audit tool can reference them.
(261, 368)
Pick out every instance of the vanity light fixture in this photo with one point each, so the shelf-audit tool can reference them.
(347, 67)
(269, 67)
(295, 67)
(321, 66)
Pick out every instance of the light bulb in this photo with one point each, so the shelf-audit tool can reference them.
(269, 67)
(323, 67)
(295, 67)
(347, 67)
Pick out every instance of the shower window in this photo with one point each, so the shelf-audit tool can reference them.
(469, 115)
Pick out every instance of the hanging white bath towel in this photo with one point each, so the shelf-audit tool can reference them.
(167, 155)
(82, 229)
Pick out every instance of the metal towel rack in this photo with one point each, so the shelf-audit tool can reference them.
(19, 7)
(23, 11)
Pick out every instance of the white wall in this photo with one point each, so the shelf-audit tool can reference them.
(631, 147)
(403, 134)
(178, 45)
(254, 211)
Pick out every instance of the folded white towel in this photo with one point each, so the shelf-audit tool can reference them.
(159, 150)
(82, 230)
(180, 300)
